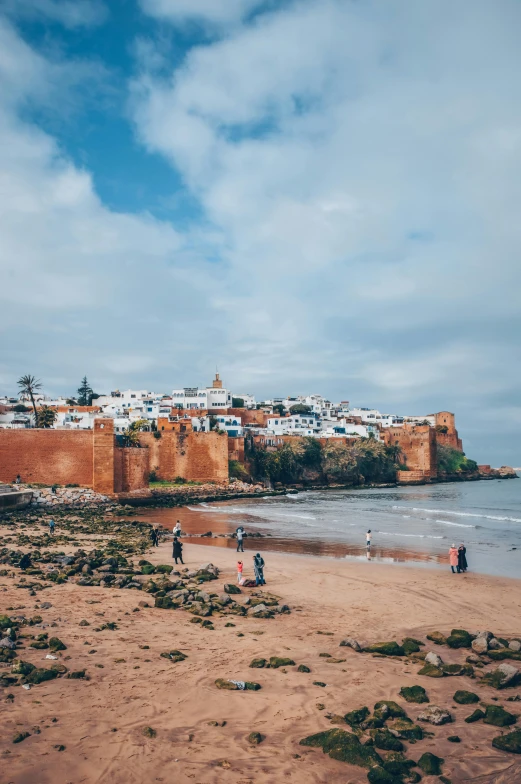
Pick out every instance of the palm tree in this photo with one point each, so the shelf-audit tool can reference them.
(28, 386)
(47, 416)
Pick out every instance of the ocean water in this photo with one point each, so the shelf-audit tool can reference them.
(410, 525)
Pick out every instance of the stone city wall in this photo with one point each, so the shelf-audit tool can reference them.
(197, 457)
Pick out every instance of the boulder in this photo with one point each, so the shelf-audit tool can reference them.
(435, 715)
(459, 638)
(386, 648)
(480, 645)
(280, 661)
(411, 645)
(231, 588)
(434, 659)
(303, 668)
(437, 638)
(494, 644)
(260, 611)
(393, 710)
(510, 742)
(356, 717)
(430, 764)
(431, 671)
(498, 716)
(255, 738)
(350, 642)
(258, 663)
(475, 716)
(487, 635)
(463, 697)
(385, 740)
(514, 645)
(505, 675)
(404, 728)
(343, 746)
(414, 694)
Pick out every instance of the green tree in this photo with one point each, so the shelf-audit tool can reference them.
(29, 386)
(21, 409)
(47, 416)
(452, 461)
(85, 393)
(300, 408)
(237, 402)
(279, 409)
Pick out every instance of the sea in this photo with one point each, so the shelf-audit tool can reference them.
(410, 525)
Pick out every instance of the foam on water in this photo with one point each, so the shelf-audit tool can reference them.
(458, 525)
(461, 514)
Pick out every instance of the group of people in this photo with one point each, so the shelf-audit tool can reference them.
(458, 558)
(258, 569)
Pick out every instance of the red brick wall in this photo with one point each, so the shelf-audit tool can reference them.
(103, 455)
(131, 469)
(199, 457)
(418, 445)
(47, 456)
(236, 449)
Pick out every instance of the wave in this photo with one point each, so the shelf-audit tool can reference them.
(458, 525)
(461, 514)
(415, 536)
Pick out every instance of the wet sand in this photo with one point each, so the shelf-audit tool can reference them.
(100, 722)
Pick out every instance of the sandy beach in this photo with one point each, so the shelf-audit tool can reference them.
(101, 721)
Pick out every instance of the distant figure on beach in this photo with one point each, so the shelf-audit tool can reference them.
(154, 537)
(453, 558)
(258, 567)
(177, 550)
(51, 527)
(462, 558)
(239, 571)
(240, 536)
(18, 479)
(177, 529)
(368, 538)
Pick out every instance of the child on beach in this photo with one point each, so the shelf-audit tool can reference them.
(453, 558)
(239, 571)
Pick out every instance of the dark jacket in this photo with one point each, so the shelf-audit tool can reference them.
(177, 550)
(462, 558)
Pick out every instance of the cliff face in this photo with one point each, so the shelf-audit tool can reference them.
(505, 472)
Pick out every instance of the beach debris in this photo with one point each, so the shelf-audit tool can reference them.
(430, 764)
(174, 656)
(255, 738)
(414, 694)
(459, 638)
(435, 715)
(51, 656)
(476, 715)
(498, 716)
(350, 642)
(343, 746)
(463, 697)
(505, 675)
(437, 638)
(510, 742)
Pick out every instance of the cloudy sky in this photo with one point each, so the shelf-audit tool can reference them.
(314, 196)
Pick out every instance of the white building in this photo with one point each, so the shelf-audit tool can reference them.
(368, 415)
(249, 400)
(296, 424)
(232, 425)
(210, 398)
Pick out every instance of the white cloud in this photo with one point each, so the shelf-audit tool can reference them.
(70, 13)
(209, 11)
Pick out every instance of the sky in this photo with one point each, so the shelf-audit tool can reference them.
(313, 196)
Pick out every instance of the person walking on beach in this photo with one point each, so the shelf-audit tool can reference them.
(258, 568)
(239, 571)
(368, 538)
(462, 558)
(240, 535)
(177, 529)
(453, 558)
(154, 537)
(177, 550)
(51, 527)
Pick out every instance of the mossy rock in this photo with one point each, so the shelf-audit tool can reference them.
(344, 747)
(319, 683)
(504, 653)
(459, 638)
(252, 686)
(255, 738)
(397, 764)
(510, 742)
(39, 645)
(40, 675)
(431, 671)
(498, 716)
(22, 667)
(21, 736)
(394, 711)
(386, 648)
(164, 568)
(6, 622)
(55, 644)
(356, 717)
(437, 638)
(411, 645)
(223, 683)
(406, 729)
(280, 661)
(430, 764)
(148, 569)
(414, 694)
(454, 739)
(383, 739)
(174, 656)
(148, 732)
(258, 663)
(496, 679)
(458, 669)
(231, 588)
(475, 716)
(165, 603)
(206, 624)
(77, 675)
(379, 775)
(303, 668)
(463, 697)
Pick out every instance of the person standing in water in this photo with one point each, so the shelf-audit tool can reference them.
(368, 538)
(462, 558)
(453, 558)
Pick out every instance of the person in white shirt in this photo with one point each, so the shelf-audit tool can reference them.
(368, 538)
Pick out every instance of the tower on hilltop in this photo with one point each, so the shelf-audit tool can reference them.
(217, 383)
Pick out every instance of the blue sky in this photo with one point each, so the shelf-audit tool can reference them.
(316, 196)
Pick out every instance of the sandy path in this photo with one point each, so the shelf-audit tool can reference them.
(367, 601)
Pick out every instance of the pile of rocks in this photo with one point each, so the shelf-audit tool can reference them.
(67, 496)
